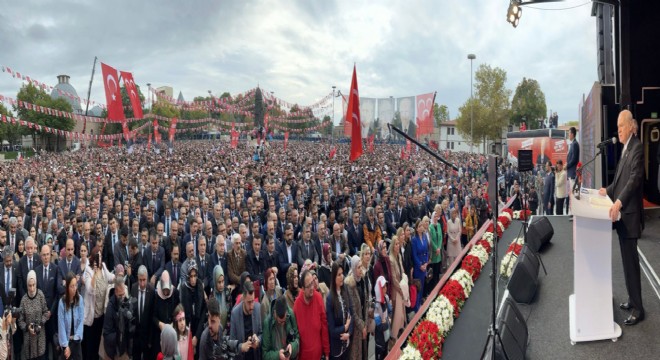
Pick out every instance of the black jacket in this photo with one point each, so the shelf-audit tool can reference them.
(115, 340)
(194, 306)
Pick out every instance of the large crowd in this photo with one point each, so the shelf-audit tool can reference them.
(206, 253)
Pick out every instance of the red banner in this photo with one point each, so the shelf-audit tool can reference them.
(286, 139)
(172, 129)
(112, 93)
(234, 137)
(149, 142)
(333, 151)
(370, 140)
(425, 114)
(131, 89)
(353, 117)
(156, 132)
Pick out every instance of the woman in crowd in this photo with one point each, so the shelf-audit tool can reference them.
(420, 256)
(32, 320)
(21, 251)
(383, 309)
(356, 298)
(96, 279)
(193, 302)
(270, 293)
(471, 222)
(8, 324)
(367, 289)
(400, 296)
(454, 237)
(168, 344)
(291, 292)
(325, 270)
(339, 313)
(435, 239)
(167, 298)
(382, 267)
(70, 316)
(220, 294)
(185, 346)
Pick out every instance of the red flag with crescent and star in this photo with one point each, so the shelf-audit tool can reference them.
(353, 117)
(112, 93)
(425, 114)
(286, 140)
(131, 89)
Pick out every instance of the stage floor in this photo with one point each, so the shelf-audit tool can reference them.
(547, 316)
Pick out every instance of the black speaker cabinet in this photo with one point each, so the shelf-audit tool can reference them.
(513, 332)
(524, 279)
(539, 233)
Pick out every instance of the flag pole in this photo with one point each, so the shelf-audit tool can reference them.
(429, 151)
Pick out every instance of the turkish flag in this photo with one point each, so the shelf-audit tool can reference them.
(112, 93)
(333, 151)
(234, 137)
(371, 141)
(353, 117)
(172, 129)
(131, 89)
(408, 146)
(286, 139)
(156, 132)
(403, 153)
(425, 113)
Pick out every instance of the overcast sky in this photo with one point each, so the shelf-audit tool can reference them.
(299, 49)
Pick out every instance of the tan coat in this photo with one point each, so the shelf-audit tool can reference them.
(236, 266)
(358, 320)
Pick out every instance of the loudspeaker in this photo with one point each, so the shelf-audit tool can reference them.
(539, 233)
(524, 279)
(525, 162)
(492, 182)
(513, 333)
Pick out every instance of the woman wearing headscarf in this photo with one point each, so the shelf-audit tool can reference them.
(292, 290)
(435, 238)
(32, 319)
(194, 303)
(400, 295)
(166, 301)
(382, 267)
(220, 294)
(325, 270)
(168, 344)
(359, 325)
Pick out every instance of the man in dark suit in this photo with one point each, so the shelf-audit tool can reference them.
(355, 237)
(307, 250)
(203, 260)
(392, 218)
(572, 158)
(287, 254)
(154, 259)
(71, 263)
(145, 295)
(49, 281)
(626, 192)
(14, 235)
(173, 266)
(548, 189)
(121, 248)
(28, 262)
(111, 239)
(8, 278)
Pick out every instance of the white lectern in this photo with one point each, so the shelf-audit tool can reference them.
(590, 305)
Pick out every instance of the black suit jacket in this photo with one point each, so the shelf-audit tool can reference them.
(283, 260)
(154, 268)
(108, 250)
(14, 283)
(51, 287)
(169, 267)
(22, 273)
(144, 323)
(627, 187)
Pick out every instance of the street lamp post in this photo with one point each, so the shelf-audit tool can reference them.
(471, 57)
(332, 128)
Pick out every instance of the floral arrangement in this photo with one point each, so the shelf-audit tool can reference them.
(441, 312)
(509, 259)
(427, 340)
(522, 214)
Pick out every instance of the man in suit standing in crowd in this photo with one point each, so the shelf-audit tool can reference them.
(626, 213)
(572, 159)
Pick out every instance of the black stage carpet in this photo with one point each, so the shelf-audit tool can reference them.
(547, 317)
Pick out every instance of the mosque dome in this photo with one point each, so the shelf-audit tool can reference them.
(67, 91)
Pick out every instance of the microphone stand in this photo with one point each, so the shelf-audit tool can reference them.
(578, 175)
(423, 147)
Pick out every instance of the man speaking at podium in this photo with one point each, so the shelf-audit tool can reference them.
(626, 192)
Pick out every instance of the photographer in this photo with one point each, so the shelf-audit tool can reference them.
(7, 324)
(70, 313)
(212, 334)
(281, 338)
(32, 318)
(117, 322)
(245, 324)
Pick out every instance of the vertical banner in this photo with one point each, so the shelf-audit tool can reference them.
(149, 143)
(385, 116)
(353, 117)
(406, 107)
(347, 124)
(233, 137)
(333, 151)
(370, 141)
(286, 140)
(132, 92)
(172, 129)
(156, 132)
(367, 115)
(425, 114)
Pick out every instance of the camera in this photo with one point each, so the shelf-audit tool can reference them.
(226, 348)
(36, 327)
(10, 308)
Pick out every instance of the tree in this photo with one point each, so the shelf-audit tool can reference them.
(528, 104)
(440, 114)
(327, 130)
(4, 127)
(33, 95)
(490, 108)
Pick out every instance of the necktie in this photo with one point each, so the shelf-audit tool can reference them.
(153, 263)
(307, 246)
(68, 266)
(7, 280)
(114, 239)
(142, 252)
(174, 270)
(45, 274)
(30, 264)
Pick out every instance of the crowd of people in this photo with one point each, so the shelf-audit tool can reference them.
(205, 252)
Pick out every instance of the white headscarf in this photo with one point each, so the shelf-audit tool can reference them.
(380, 294)
(32, 276)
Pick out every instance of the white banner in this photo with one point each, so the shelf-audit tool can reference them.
(385, 115)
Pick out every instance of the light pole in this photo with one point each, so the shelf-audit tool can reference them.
(471, 57)
(332, 128)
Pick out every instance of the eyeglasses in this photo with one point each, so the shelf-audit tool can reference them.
(309, 286)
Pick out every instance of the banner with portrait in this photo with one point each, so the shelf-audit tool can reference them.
(406, 108)
(367, 114)
(385, 116)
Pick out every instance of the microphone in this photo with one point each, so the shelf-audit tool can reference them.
(607, 142)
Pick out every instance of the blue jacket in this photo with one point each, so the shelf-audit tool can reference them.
(572, 159)
(420, 254)
(64, 322)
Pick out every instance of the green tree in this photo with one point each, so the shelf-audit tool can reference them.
(440, 113)
(490, 108)
(326, 130)
(528, 103)
(31, 94)
(4, 127)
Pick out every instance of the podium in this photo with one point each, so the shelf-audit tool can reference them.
(590, 306)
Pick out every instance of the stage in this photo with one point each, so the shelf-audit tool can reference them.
(547, 316)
